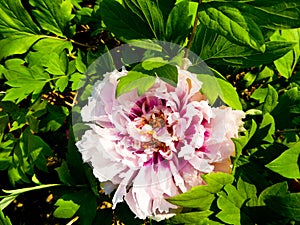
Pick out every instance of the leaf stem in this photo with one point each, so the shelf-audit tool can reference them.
(288, 130)
(81, 44)
(190, 41)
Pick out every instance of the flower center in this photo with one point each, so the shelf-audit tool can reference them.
(154, 126)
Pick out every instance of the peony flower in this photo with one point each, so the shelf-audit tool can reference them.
(156, 145)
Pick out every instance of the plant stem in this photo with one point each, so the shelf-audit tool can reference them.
(193, 31)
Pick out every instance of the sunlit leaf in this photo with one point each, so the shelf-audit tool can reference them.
(287, 164)
(15, 20)
(53, 15)
(203, 196)
(286, 64)
(134, 80)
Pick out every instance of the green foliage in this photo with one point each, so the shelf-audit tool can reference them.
(287, 164)
(252, 50)
(4, 219)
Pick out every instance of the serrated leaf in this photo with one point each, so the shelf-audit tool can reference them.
(231, 22)
(53, 15)
(230, 205)
(24, 81)
(134, 80)
(270, 101)
(202, 196)
(248, 192)
(17, 44)
(287, 164)
(15, 20)
(214, 87)
(179, 23)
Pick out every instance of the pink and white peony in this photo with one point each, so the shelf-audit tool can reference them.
(157, 145)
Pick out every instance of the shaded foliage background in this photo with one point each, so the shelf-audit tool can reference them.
(45, 48)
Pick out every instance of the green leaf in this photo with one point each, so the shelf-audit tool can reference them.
(4, 220)
(247, 191)
(178, 23)
(287, 164)
(54, 119)
(202, 196)
(82, 202)
(216, 49)
(281, 14)
(260, 94)
(281, 201)
(134, 80)
(149, 12)
(230, 205)
(166, 7)
(80, 65)
(56, 45)
(287, 206)
(64, 174)
(279, 189)
(17, 44)
(282, 112)
(6, 201)
(192, 218)
(62, 83)
(78, 81)
(15, 20)
(270, 101)
(57, 63)
(16, 192)
(24, 81)
(36, 148)
(135, 20)
(167, 73)
(231, 22)
(214, 87)
(66, 208)
(266, 129)
(53, 15)
(286, 64)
